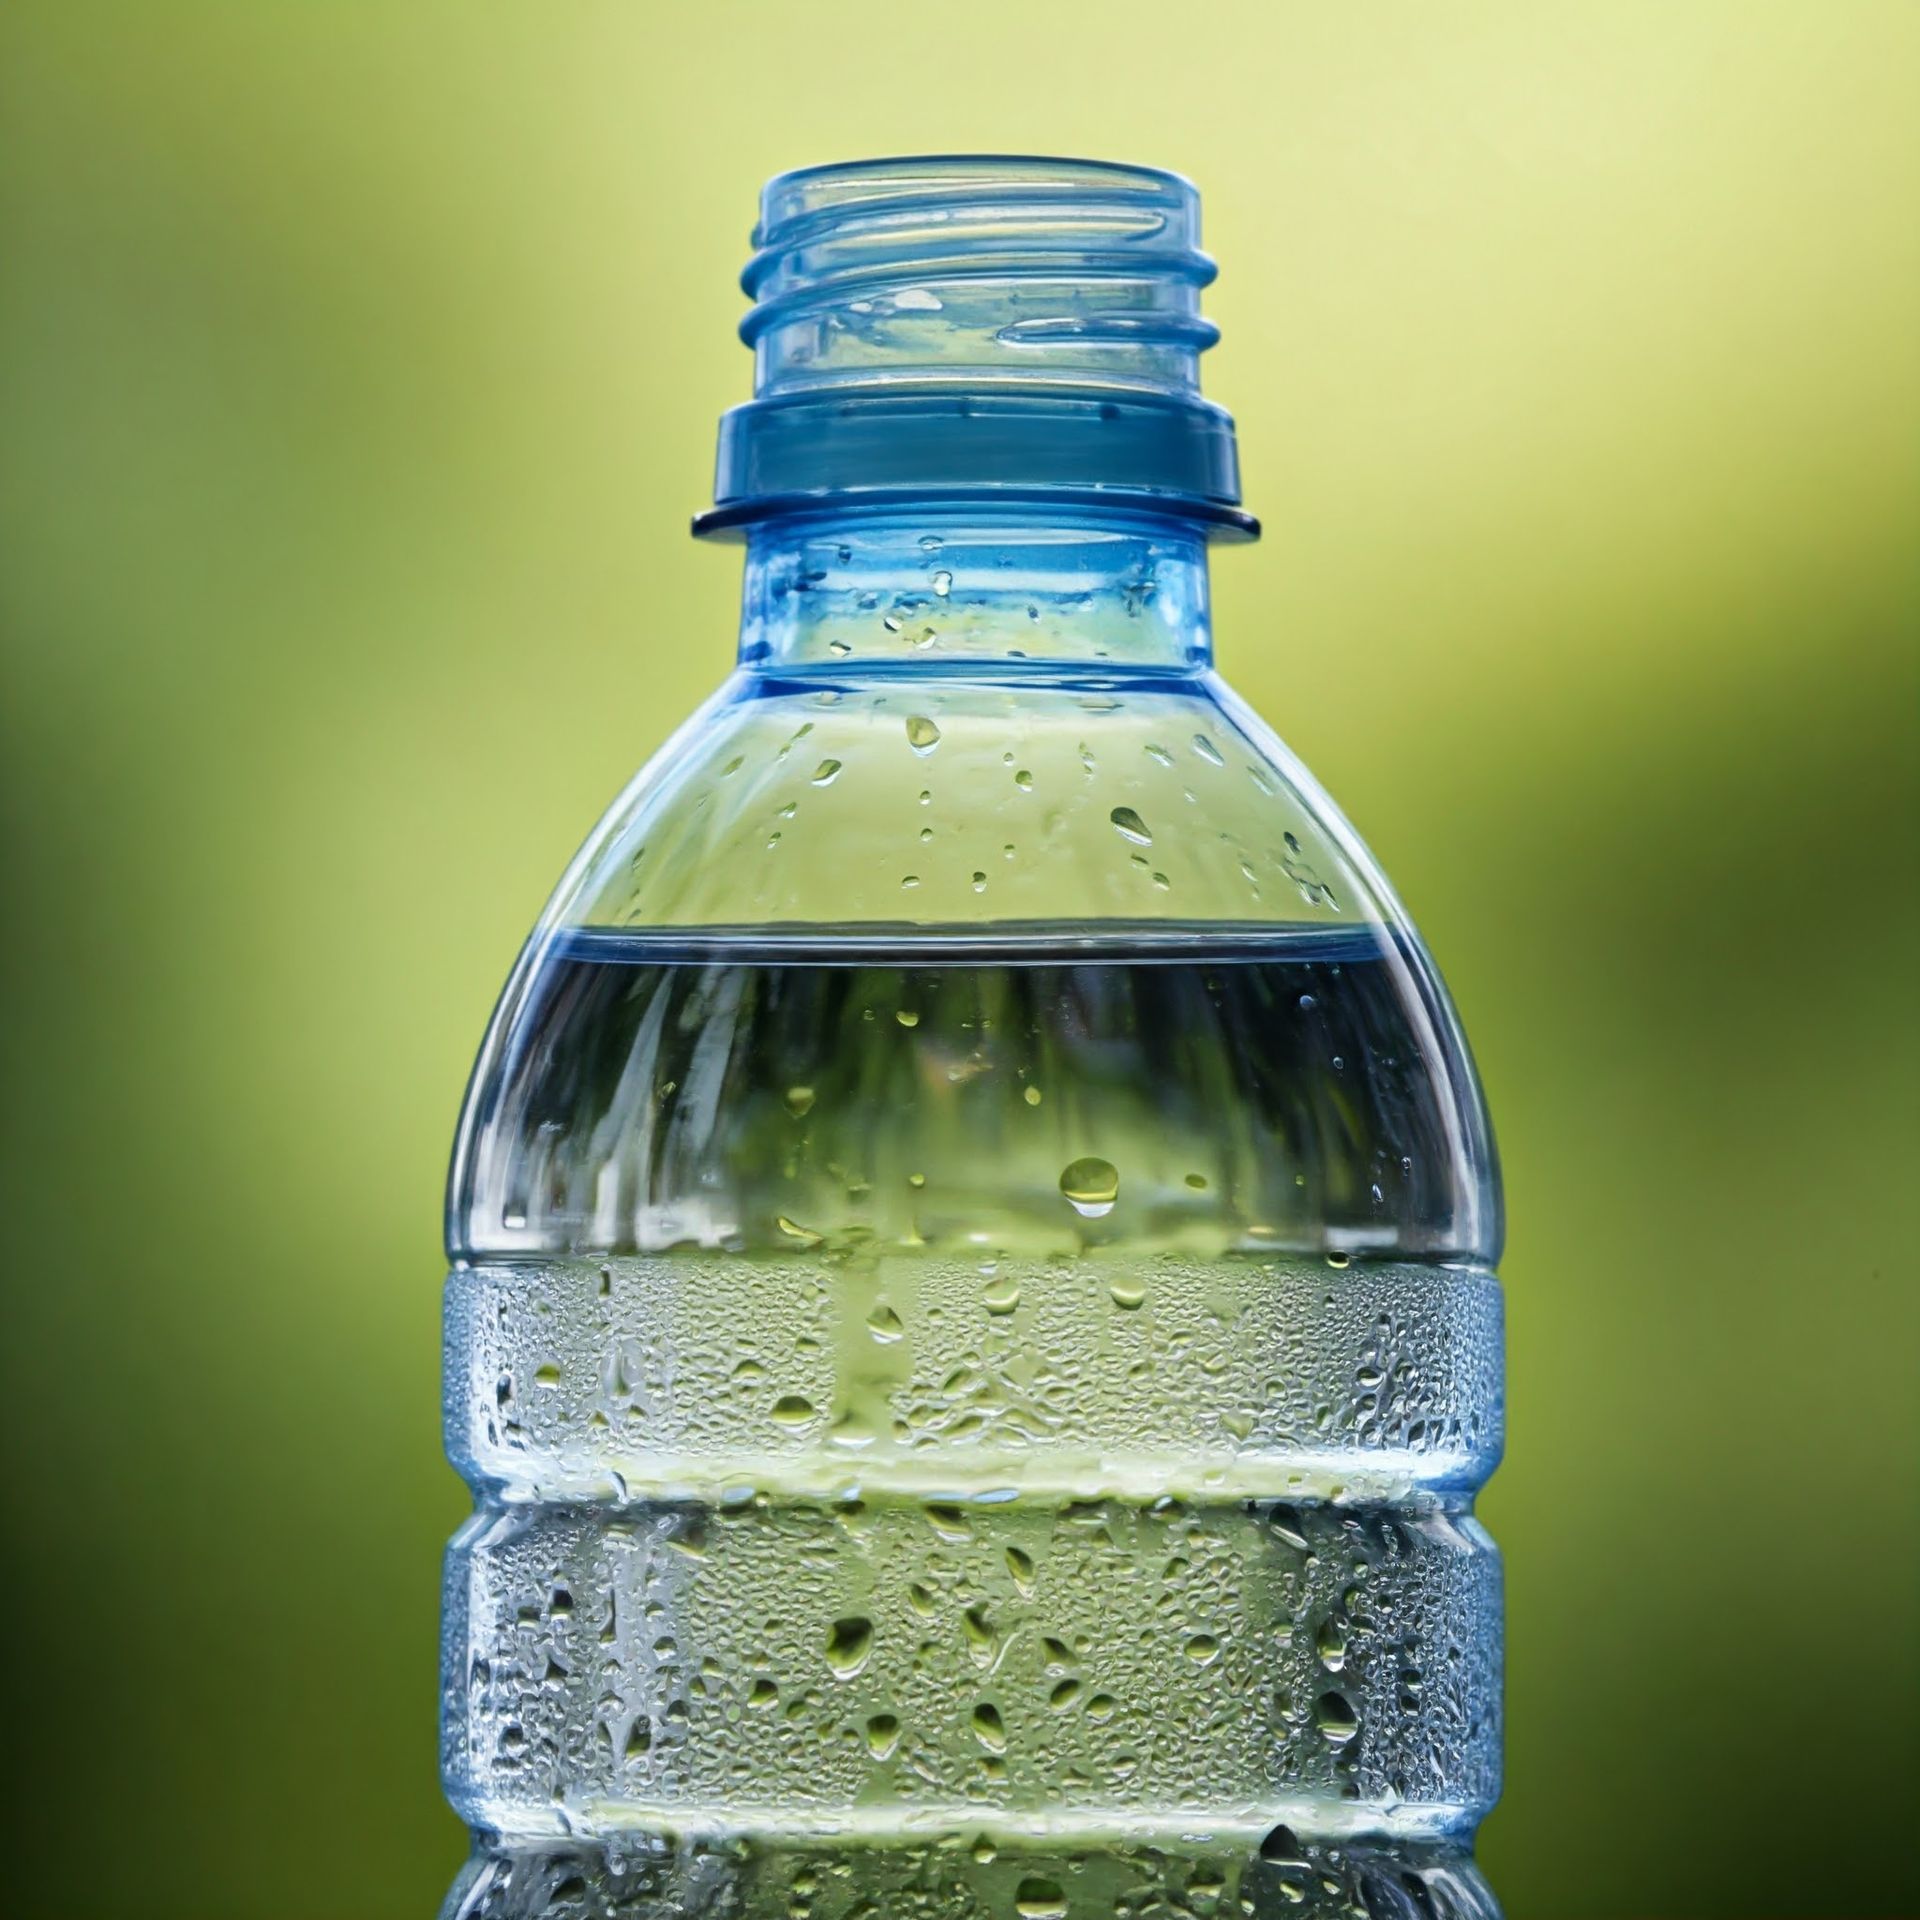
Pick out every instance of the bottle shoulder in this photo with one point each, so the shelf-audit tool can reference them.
(956, 801)
(966, 887)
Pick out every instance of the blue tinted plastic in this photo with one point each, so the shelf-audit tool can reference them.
(972, 1325)
(1028, 328)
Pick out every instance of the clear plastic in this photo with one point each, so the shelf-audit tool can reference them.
(972, 1326)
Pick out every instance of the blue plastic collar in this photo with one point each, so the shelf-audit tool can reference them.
(955, 327)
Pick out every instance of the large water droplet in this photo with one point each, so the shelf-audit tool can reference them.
(849, 1644)
(884, 1324)
(1208, 751)
(1281, 1849)
(1335, 1718)
(824, 772)
(1091, 1186)
(793, 1410)
(1331, 1644)
(1037, 1898)
(922, 735)
(983, 1641)
(988, 1728)
(1131, 826)
(883, 1735)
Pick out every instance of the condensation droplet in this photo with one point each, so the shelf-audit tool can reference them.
(922, 735)
(1203, 1649)
(1208, 751)
(908, 1017)
(1127, 1293)
(1037, 1898)
(1131, 826)
(983, 1641)
(1001, 1294)
(1091, 1186)
(793, 1410)
(1032, 1096)
(849, 1645)
(1335, 1718)
(943, 583)
(884, 1324)
(988, 1728)
(824, 772)
(883, 1735)
(1281, 1849)
(1330, 1643)
(799, 1101)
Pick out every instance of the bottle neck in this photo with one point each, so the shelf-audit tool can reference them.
(940, 590)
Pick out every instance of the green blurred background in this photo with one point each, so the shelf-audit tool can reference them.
(360, 369)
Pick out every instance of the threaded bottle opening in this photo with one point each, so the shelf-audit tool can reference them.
(953, 324)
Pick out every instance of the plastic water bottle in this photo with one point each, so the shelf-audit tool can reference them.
(972, 1327)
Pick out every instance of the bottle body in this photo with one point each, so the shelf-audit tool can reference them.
(972, 1324)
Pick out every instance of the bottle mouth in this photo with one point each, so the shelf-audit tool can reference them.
(952, 324)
